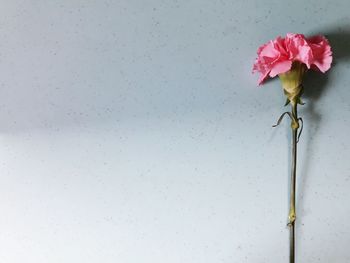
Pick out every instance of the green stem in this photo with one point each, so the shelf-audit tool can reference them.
(292, 210)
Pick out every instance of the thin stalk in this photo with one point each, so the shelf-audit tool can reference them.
(292, 210)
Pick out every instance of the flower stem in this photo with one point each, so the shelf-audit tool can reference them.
(292, 210)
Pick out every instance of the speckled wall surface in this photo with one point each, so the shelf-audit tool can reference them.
(133, 131)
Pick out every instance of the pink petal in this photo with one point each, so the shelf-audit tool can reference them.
(262, 77)
(268, 50)
(299, 49)
(280, 67)
(322, 53)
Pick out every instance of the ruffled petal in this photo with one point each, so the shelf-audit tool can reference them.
(322, 53)
(262, 77)
(280, 67)
(299, 49)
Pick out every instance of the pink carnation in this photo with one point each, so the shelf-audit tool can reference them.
(277, 56)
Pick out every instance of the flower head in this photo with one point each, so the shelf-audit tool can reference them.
(277, 56)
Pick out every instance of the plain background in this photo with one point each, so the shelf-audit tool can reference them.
(133, 131)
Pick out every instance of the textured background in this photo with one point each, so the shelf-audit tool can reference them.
(133, 131)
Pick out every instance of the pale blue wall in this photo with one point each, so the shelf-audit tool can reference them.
(133, 132)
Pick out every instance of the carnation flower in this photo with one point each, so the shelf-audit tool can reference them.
(277, 56)
(290, 58)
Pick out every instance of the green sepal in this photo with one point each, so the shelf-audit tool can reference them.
(300, 101)
(287, 102)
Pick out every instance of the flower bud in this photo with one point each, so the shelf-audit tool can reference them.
(292, 82)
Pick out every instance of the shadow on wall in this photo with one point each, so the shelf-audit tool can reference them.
(315, 87)
(339, 39)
